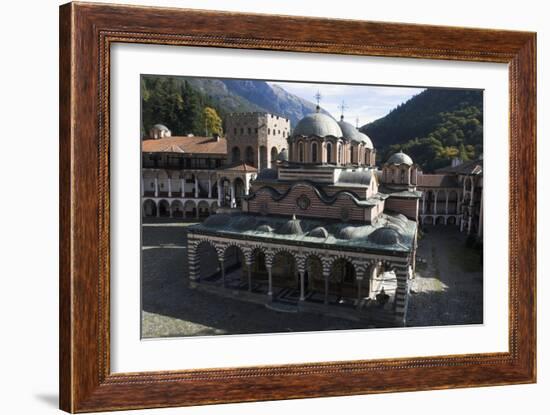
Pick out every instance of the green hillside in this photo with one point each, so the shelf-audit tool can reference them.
(180, 102)
(432, 127)
(185, 106)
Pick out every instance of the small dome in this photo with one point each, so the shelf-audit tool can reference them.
(363, 177)
(219, 219)
(160, 127)
(291, 227)
(319, 125)
(366, 140)
(353, 232)
(349, 131)
(283, 155)
(385, 236)
(400, 158)
(349, 232)
(319, 232)
(265, 228)
(244, 223)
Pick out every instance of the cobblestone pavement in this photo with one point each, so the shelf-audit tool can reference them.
(171, 309)
(448, 290)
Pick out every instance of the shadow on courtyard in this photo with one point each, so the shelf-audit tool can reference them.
(171, 308)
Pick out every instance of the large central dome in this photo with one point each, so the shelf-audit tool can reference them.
(319, 125)
(349, 131)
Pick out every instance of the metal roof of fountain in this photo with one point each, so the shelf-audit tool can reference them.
(390, 232)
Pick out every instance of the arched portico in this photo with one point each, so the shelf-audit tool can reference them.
(149, 208)
(177, 209)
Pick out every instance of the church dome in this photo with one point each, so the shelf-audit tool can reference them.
(400, 158)
(385, 236)
(319, 232)
(291, 227)
(349, 131)
(366, 140)
(319, 125)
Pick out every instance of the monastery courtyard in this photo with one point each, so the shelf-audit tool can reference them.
(448, 289)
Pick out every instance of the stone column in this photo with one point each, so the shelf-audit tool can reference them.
(359, 284)
(169, 186)
(233, 202)
(269, 282)
(182, 184)
(142, 187)
(220, 189)
(423, 203)
(302, 286)
(196, 187)
(436, 193)
(326, 274)
(193, 261)
(373, 275)
(156, 187)
(446, 202)
(401, 294)
(222, 269)
(209, 187)
(249, 273)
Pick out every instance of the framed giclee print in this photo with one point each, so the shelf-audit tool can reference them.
(261, 207)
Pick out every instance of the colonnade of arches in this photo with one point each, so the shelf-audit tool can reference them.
(328, 278)
(189, 209)
(162, 183)
(440, 201)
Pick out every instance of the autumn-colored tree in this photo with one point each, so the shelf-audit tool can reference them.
(212, 121)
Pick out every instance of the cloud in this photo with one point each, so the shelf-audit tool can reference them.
(364, 103)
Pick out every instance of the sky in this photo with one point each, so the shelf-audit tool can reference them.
(362, 102)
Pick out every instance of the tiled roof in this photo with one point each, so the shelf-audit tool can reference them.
(241, 166)
(437, 180)
(193, 144)
(468, 167)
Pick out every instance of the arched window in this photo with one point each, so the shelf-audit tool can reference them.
(235, 154)
(402, 176)
(351, 154)
(329, 153)
(314, 152)
(249, 156)
(274, 154)
(301, 152)
(339, 158)
(367, 156)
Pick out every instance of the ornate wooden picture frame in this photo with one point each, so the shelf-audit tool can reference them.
(87, 32)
